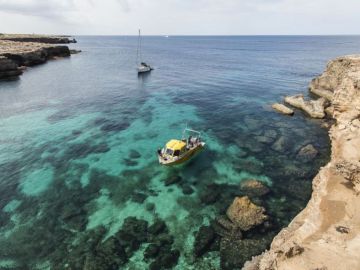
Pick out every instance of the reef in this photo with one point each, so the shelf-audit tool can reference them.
(325, 235)
(20, 51)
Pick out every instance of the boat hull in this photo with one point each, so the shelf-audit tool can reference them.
(144, 69)
(188, 155)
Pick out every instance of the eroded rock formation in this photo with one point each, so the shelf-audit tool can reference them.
(281, 108)
(245, 214)
(38, 38)
(314, 108)
(8, 69)
(17, 51)
(326, 234)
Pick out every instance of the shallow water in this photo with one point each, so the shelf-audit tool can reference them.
(79, 137)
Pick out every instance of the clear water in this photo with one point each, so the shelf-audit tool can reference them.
(69, 129)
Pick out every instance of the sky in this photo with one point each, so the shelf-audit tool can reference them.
(181, 17)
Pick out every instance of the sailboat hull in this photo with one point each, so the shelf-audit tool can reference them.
(143, 69)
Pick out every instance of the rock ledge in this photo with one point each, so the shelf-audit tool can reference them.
(326, 234)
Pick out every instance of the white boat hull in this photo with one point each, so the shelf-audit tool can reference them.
(143, 69)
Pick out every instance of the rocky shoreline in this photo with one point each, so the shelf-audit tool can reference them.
(20, 51)
(325, 234)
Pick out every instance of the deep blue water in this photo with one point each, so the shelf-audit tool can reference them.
(79, 136)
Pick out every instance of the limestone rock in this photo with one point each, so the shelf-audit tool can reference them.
(254, 187)
(281, 108)
(234, 253)
(307, 153)
(350, 172)
(314, 108)
(8, 69)
(324, 235)
(294, 251)
(224, 227)
(23, 53)
(329, 111)
(244, 214)
(50, 39)
(281, 145)
(322, 92)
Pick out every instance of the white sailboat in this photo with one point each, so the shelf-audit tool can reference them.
(142, 67)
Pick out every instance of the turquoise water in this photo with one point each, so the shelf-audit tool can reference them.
(79, 139)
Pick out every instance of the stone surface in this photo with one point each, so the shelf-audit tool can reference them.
(314, 108)
(234, 253)
(8, 69)
(325, 235)
(50, 39)
(281, 108)
(254, 187)
(244, 214)
(307, 153)
(28, 50)
(203, 240)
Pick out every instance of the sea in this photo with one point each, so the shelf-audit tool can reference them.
(79, 136)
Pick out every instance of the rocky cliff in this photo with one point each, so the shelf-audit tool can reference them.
(16, 52)
(326, 234)
(38, 38)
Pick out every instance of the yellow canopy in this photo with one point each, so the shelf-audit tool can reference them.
(175, 145)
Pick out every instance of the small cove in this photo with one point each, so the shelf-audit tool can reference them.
(79, 139)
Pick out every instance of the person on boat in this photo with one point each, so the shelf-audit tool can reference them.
(190, 143)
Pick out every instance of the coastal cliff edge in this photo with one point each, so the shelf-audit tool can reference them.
(326, 234)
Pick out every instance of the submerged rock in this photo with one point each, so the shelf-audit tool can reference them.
(187, 189)
(165, 260)
(132, 234)
(150, 207)
(159, 226)
(254, 187)
(270, 133)
(281, 145)
(252, 166)
(307, 153)
(203, 240)
(172, 180)
(108, 255)
(115, 126)
(264, 139)
(226, 228)
(134, 154)
(245, 214)
(210, 194)
(138, 197)
(151, 251)
(234, 253)
(281, 108)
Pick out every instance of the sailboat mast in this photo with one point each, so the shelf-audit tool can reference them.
(140, 46)
(138, 50)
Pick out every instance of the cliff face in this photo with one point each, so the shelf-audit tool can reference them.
(37, 38)
(17, 51)
(326, 234)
